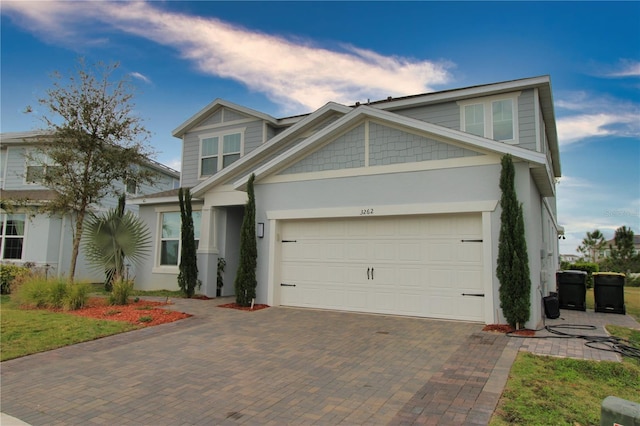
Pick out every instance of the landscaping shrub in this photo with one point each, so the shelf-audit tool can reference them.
(39, 292)
(8, 274)
(121, 291)
(77, 295)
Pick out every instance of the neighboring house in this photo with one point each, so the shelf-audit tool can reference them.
(390, 207)
(39, 239)
(570, 258)
(606, 252)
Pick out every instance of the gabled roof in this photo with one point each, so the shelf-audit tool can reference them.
(542, 83)
(538, 160)
(211, 108)
(247, 162)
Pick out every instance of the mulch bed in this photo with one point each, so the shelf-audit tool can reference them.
(256, 307)
(150, 312)
(504, 328)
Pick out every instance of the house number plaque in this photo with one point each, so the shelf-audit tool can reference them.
(366, 212)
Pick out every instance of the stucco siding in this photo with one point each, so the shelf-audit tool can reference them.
(479, 183)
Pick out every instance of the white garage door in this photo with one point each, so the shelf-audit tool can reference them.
(428, 266)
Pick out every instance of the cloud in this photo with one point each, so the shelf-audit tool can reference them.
(627, 68)
(296, 74)
(586, 116)
(140, 77)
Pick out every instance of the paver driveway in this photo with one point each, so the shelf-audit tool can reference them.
(274, 366)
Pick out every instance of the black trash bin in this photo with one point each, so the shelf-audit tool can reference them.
(572, 290)
(608, 292)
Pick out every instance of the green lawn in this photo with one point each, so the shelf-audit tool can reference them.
(560, 391)
(25, 332)
(631, 301)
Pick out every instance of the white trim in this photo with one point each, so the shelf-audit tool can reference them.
(487, 103)
(488, 268)
(220, 155)
(469, 92)
(274, 261)
(344, 124)
(276, 141)
(480, 160)
(385, 210)
(186, 126)
(536, 119)
(222, 125)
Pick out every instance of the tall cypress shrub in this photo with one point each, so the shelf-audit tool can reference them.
(188, 275)
(245, 283)
(513, 260)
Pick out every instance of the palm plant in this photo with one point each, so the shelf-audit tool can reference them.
(113, 238)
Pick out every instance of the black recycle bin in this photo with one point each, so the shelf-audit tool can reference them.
(572, 290)
(608, 292)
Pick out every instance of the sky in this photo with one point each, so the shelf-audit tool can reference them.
(288, 58)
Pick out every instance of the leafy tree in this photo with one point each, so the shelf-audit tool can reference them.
(114, 237)
(513, 260)
(246, 283)
(188, 275)
(623, 248)
(623, 257)
(93, 142)
(592, 245)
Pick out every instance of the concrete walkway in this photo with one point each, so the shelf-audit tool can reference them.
(274, 366)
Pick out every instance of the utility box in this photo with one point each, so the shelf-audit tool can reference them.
(618, 411)
(608, 292)
(572, 290)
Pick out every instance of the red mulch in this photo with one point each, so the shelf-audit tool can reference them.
(98, 307)
(504, 328)
(256, 307)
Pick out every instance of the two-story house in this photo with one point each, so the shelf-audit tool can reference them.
(388, 207)
(40, 239)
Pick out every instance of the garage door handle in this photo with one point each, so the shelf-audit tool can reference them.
(368, 273)
(371, 273)
(287, 285)
(473, 294)
(369, 270)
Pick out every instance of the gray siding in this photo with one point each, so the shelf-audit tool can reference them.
(344, 153)
(527, 121)
(392, 146)
(445, 114)
(16, 169)
(215, 118)
(191, 147)
(232, 115)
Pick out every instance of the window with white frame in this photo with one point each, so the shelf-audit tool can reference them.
(12, 235)
(219, 151)
(492, 118)
(38, 166)
(170, 241)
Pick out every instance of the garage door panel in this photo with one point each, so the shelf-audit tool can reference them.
(413, 265)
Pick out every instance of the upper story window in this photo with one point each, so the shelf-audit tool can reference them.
(12, 235)
(493, 118)
(38, 166)
(219, 151)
